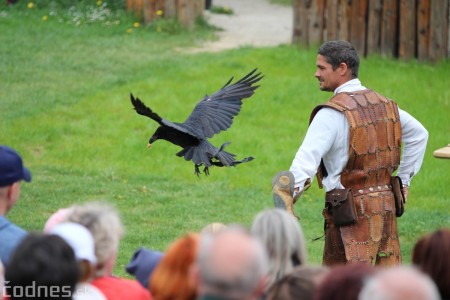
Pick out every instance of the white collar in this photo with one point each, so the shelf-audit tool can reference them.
(350, 86)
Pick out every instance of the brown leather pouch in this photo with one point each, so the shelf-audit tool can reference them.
(340, 204)
(399, 198)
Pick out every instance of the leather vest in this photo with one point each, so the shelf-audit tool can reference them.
(375, 138)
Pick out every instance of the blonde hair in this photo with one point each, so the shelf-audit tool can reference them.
(103, 221)
(283, 238)
(213, 227)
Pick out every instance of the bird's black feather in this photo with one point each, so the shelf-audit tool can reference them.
(141, 109)
(223, 104)
(211, 115)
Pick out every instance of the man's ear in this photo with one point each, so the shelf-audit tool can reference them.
(343, 69)
(12, 194)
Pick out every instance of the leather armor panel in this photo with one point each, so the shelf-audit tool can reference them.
(374, 154)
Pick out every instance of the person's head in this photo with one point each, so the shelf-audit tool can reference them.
(12, 172)
(299, 284)
(143, 263)
(80, 239)
(399, 283)
(213, 227)
(351, 276)
(171, 278)
(104, 223)
(431, 254)
(42, 266)
(283, 239)
(56, 218)
(231, 264)
(337, 62)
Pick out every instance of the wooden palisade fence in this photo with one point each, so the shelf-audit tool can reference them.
(185, 11)
(400, 28)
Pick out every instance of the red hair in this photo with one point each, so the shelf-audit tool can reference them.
(170, 280)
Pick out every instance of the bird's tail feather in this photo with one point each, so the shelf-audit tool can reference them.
(228, 159)
(208, 155)
(225, 158)
(200, 154)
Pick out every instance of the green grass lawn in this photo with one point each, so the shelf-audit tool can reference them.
(64, 105)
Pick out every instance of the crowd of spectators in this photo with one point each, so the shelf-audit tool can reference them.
(75, 255)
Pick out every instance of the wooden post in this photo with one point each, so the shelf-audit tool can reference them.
(345, 14)
(300, 30)
(405, 29)
(389, 32)
(374, 26)
(188, 11)
(332, 20)
(152, 8)
(407, 34)
(358, 26)
(315, 22)
(136, 6)
(423, 29)
(170, 9)
(438, 29)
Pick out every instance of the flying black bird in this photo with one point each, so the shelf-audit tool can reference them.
(210, 116)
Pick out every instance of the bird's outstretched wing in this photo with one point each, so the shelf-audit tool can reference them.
(216, 112)
(142, 109)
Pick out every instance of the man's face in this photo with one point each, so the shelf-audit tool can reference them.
(329, 79)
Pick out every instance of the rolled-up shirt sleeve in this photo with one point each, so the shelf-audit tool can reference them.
(414, 138)
(317, 142)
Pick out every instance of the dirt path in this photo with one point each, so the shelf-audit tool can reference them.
(253, 23)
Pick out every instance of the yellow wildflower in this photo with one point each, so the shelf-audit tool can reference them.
(44, 18)
(30, 4)
(159, 12)
(136, 24)
(99, 2)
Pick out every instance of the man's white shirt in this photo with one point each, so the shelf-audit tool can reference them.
(328, 138)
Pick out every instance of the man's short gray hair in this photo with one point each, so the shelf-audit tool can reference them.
(398, 283)
(237, 285)
(103, 221)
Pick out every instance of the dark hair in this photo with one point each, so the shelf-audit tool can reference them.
(298, 284)
(337, 52)
(42, 266)
(344, 282)
(431, 254)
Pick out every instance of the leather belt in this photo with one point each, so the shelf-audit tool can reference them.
(372, 189)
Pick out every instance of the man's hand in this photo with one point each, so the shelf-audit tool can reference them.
(296, 194)
(405, 189)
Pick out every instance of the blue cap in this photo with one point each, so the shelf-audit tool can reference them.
(143, 263)
(11, 167)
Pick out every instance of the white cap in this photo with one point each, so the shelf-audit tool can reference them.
(79, 238)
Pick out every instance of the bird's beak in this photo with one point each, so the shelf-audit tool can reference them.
(149, 145)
